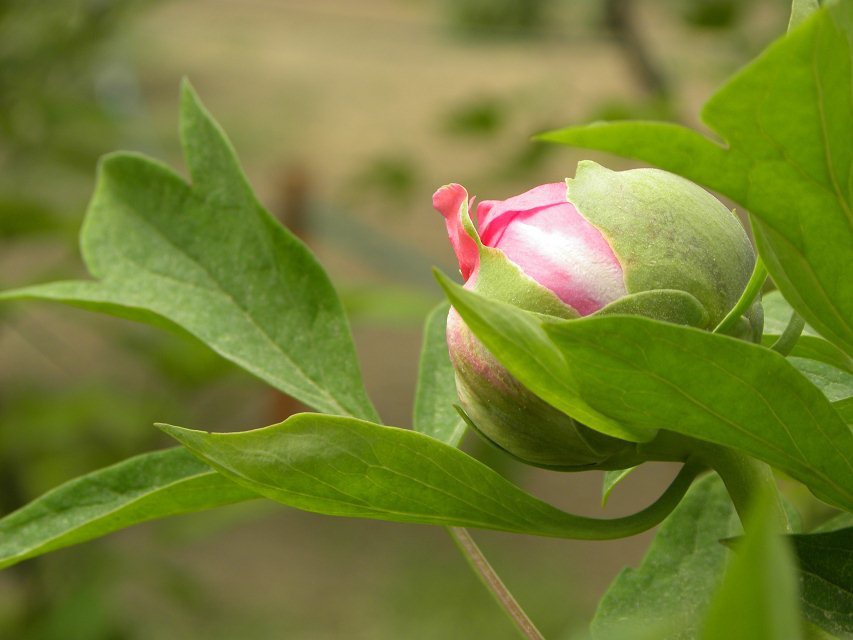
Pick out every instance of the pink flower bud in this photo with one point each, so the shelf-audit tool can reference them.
(542, 233)
(642, 241)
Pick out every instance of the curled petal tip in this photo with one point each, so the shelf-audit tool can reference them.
(448, 199)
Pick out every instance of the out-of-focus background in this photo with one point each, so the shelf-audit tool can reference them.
(346, 115)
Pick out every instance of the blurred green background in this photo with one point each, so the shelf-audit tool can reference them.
(346, 115)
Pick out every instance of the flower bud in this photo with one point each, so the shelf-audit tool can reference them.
(642, 242)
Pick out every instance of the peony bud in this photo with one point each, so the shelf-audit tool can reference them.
(642, 242)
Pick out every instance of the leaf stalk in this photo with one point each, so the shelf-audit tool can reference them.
(749, 482)
(785, 342)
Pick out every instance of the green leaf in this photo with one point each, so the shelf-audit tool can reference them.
(826, 566)
(788, 159)
(839, 521)
(146, 487)
(836, 385)
(777, 312)
(435, 396)
(208, 258)
(845, 410)
(346, 467)
(611, 479)
(647, 375)
(800, 10)
(667, 595)
(758, 598)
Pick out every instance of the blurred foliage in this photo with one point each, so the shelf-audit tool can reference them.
(387, 306)
(496, 18)
(24, 216)
(483, 117)
(63, 94)
(713, 14)
(393, 176)
(48, 96)
(654, 108)
(527, 159)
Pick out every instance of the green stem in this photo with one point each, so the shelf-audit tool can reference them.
(785, 342)
(748, 481)
(585, 529)
(753, 288)
(493, 583)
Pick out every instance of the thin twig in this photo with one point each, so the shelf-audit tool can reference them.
(493, 582)
(619, 20)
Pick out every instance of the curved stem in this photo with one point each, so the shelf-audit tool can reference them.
(752, 289)
(748, 481)
(785, 342)
(493, 583)
(584, 528)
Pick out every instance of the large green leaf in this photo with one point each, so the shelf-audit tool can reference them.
(649, 375)
(667, 595)
(146, 487)
(810, 345)
(435, 396)
(758, 598)
(788, 159)
(208, 258)
(826, 566)
(347, 467)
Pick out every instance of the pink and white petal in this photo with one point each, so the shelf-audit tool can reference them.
(448, 201)
(559, 249)
(493, 216)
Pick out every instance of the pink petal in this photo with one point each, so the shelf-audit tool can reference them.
(493, 216)
(448, 201)
(561, 250)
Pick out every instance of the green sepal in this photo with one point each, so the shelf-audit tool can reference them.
(668, 305)
(667, 233)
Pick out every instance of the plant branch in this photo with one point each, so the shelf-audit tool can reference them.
(752, 289)
(785, 342)
(493, 583)
(618, 18)
(748, 481)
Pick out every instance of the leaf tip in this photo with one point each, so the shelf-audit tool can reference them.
(188, 92)
(182, 435)
(443, 280)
